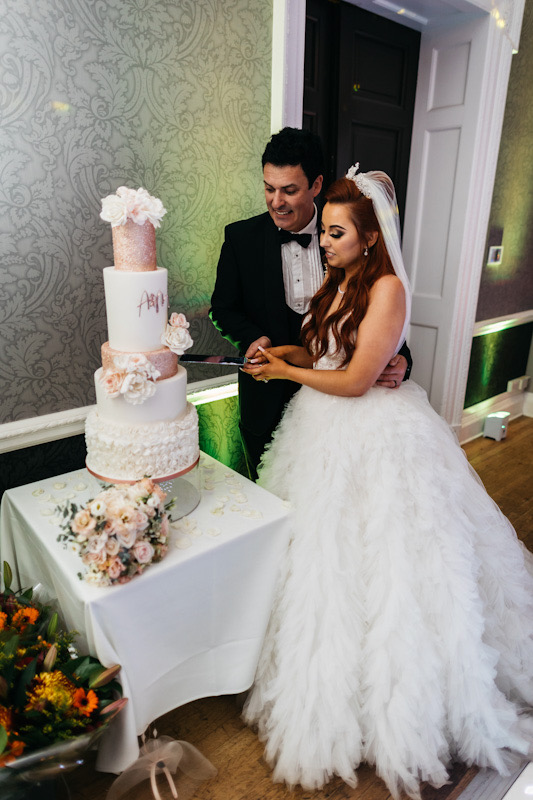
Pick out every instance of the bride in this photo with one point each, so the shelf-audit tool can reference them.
(402, 630)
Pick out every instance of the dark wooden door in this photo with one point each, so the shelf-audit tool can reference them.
(363, 104)
(320, 78)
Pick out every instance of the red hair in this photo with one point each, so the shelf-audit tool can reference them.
(354, 302)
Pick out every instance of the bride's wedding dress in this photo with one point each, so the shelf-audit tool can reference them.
(402, 632)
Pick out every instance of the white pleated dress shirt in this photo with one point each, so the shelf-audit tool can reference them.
(303, 273)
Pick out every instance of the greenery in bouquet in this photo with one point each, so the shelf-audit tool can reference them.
(48, 693)
(119, 532)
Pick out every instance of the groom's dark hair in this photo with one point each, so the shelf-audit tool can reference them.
(293, 147)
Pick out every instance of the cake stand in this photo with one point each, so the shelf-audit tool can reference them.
(183, 487)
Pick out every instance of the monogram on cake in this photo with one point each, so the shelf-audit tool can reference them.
(142, 424)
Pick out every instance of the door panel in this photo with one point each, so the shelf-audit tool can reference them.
(445, 142)
(359, 89)
(320, 93)
(379, 144)
(378, 63)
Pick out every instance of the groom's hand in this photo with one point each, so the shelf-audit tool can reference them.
(254, 351)
(393, 374)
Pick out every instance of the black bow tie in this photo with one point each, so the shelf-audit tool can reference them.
(304, 239)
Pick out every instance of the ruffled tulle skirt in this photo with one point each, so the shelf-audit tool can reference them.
(402, 631)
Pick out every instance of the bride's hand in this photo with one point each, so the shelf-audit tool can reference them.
(270, 369)
(281, 351)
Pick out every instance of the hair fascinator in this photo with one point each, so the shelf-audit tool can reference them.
(169, 769)
(360, 180)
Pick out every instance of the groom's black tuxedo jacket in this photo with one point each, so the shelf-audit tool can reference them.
(249, 302)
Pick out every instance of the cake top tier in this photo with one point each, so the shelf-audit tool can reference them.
(133, 214)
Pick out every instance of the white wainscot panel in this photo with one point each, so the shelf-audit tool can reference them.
(449, 72)
(440, 157)
(423, 344)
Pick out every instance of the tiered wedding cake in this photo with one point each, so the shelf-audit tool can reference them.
(142, 424)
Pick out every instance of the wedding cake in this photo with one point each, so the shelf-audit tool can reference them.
(142, 424)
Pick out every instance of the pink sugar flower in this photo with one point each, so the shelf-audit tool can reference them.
(112, 382)
(178, 320)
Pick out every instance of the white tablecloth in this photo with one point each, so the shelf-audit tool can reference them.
(190, 626)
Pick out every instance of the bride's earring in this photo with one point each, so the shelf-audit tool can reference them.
(365, 251)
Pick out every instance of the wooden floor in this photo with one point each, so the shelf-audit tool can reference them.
(214, 726)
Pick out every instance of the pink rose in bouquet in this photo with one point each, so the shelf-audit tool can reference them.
(144, 552)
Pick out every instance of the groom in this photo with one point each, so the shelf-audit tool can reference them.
(270, 266)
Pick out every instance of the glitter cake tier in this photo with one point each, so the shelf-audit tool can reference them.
(163, 359)
(134, 246)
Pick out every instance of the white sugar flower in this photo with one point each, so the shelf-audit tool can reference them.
(176, 335)
(136, 388)
(114, 210)
(136, 362)
(132, 204)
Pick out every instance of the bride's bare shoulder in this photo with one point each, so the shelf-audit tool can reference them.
(387, 285)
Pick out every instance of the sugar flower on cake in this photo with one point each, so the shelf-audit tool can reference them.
(132, 204)
(119, 532)
(176, 335)
(132, 376)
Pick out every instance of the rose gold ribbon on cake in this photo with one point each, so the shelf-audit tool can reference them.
(160, 479)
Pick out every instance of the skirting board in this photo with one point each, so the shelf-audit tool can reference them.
(489, 785)
(516, 403)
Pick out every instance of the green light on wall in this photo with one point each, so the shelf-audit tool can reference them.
(218, 423)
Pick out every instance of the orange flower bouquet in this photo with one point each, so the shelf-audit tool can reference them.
(49, 695)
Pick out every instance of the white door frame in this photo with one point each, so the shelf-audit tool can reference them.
(446, 383)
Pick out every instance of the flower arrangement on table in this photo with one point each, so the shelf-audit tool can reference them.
(120, 532)
(48, 694)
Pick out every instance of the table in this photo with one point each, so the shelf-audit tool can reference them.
(191, 626)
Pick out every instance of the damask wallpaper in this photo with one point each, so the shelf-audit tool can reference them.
(172, 95)
(508, 288)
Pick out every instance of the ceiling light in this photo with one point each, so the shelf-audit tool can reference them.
(404, 12)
